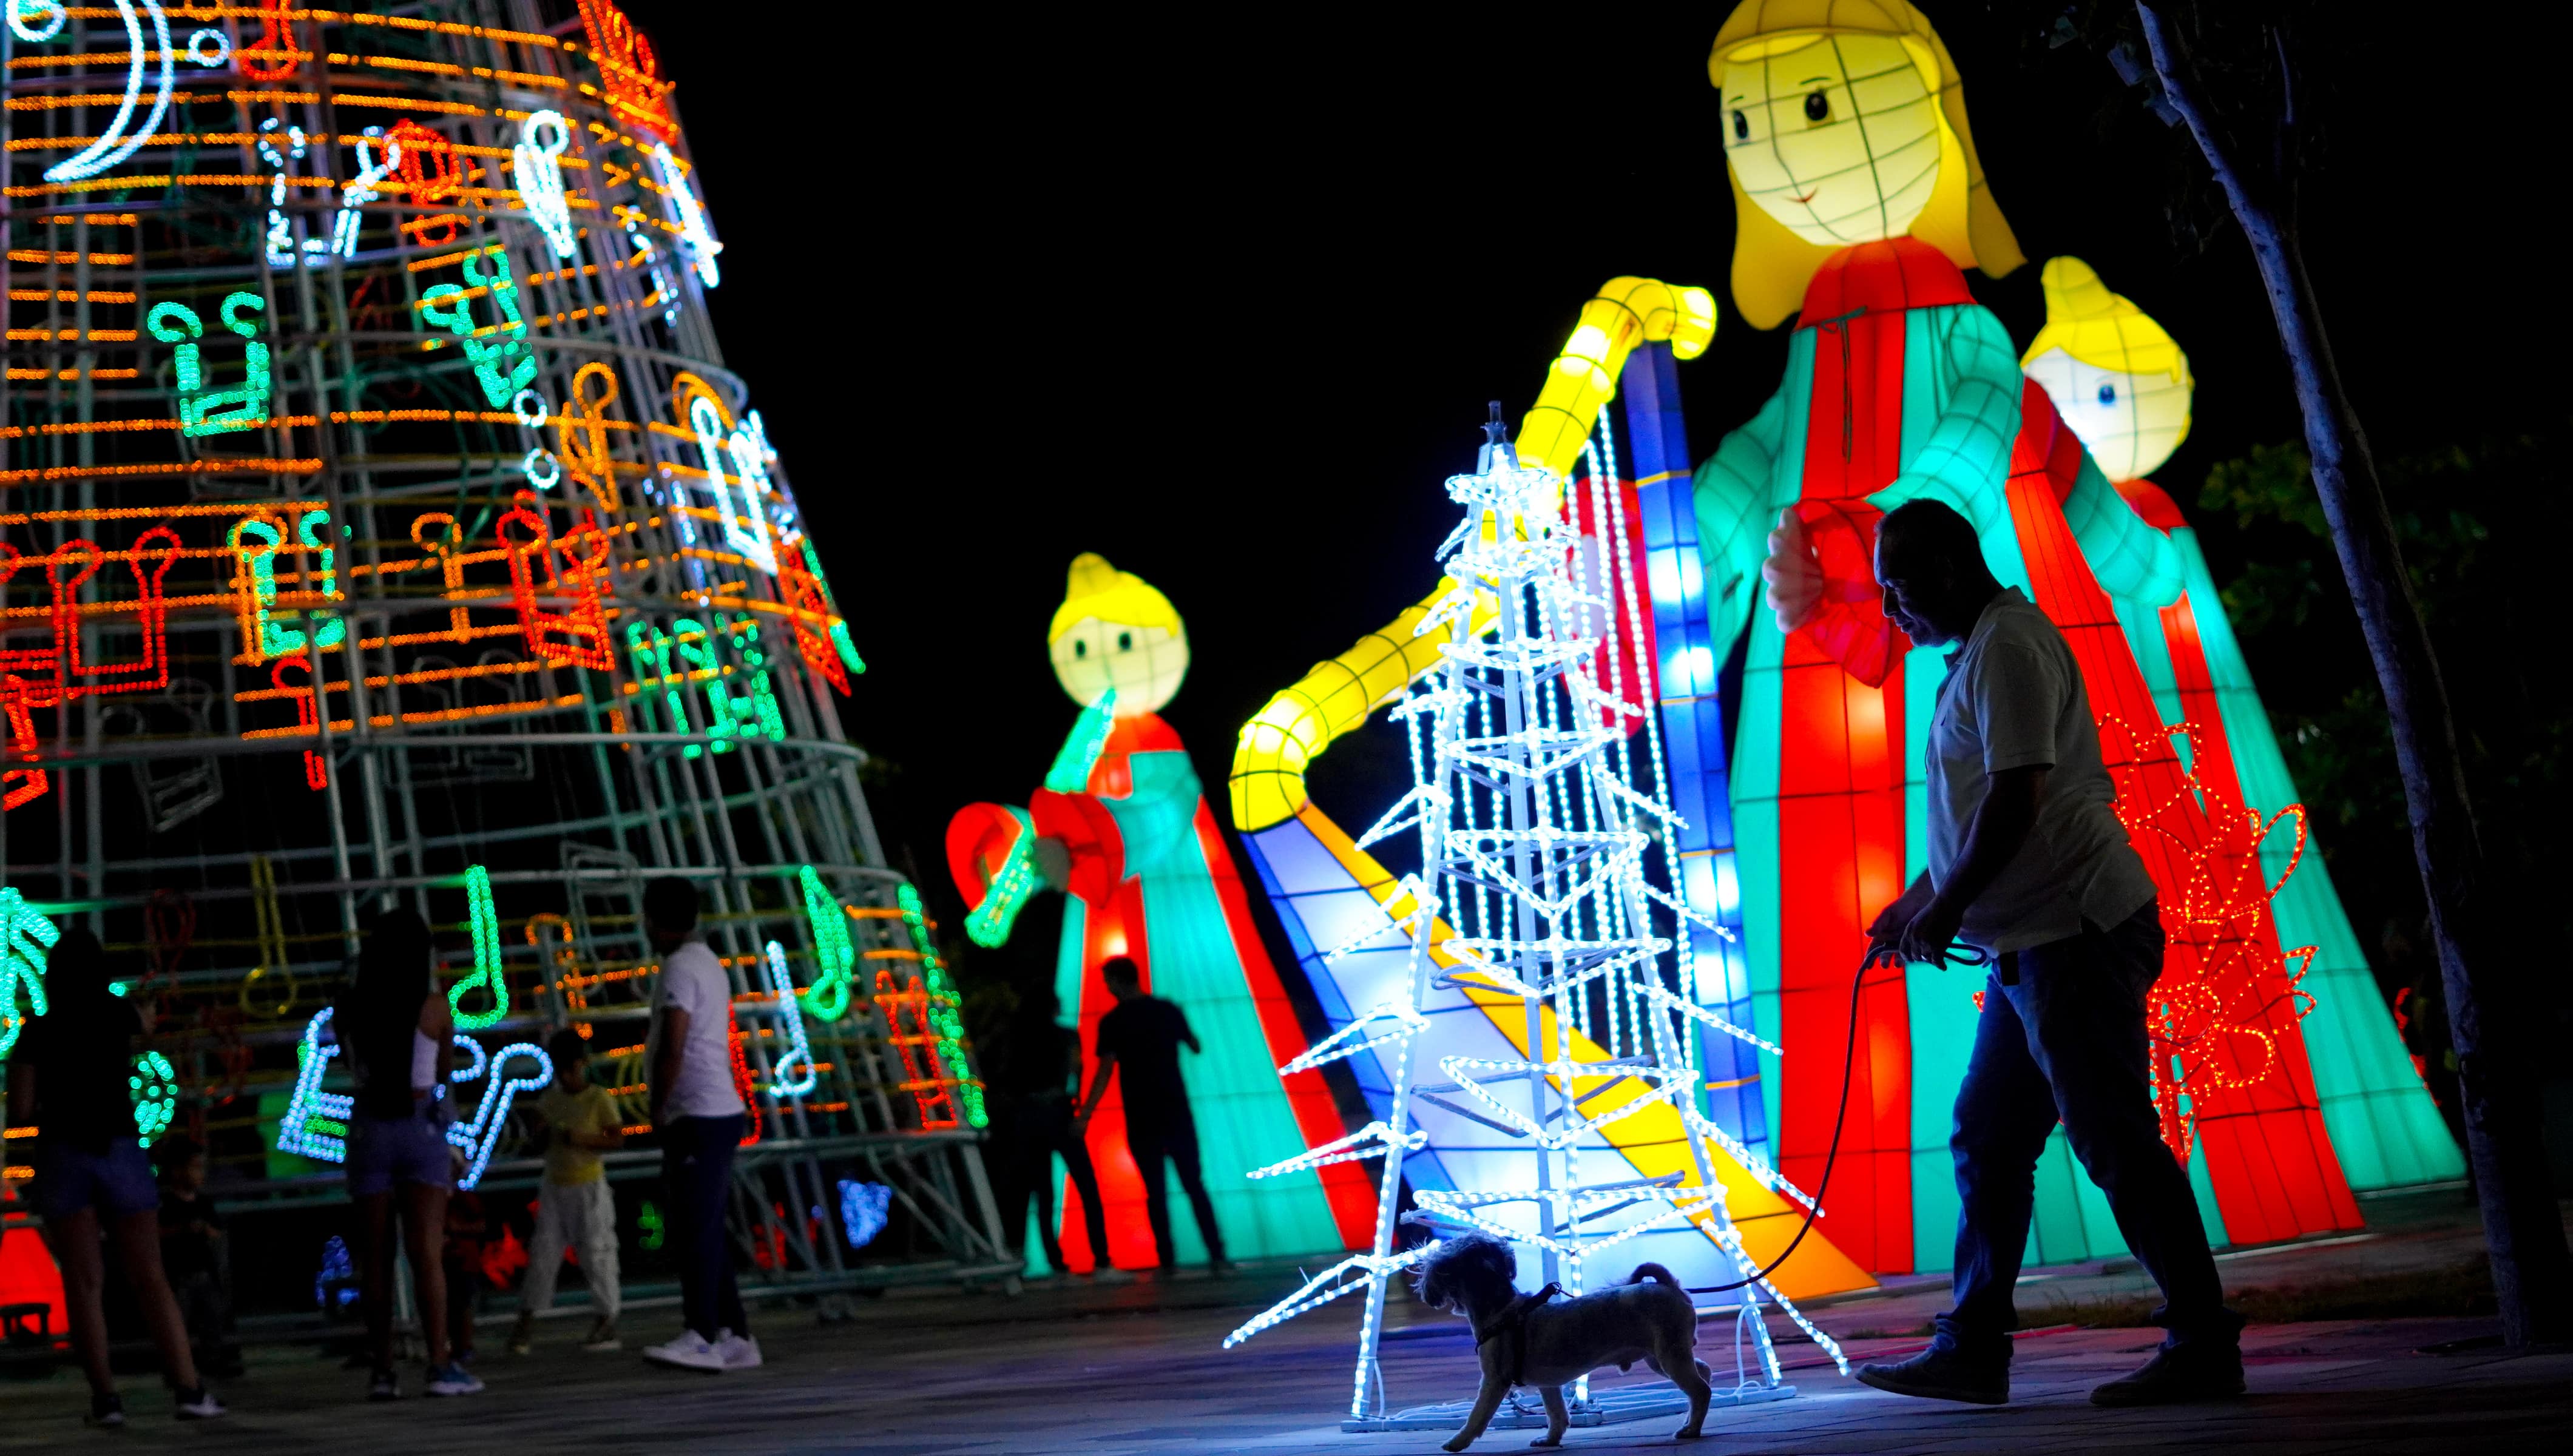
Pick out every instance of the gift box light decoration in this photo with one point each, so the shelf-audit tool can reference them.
(449, 595)
(1534, 909)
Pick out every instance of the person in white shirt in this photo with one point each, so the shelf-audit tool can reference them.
(2030, 865)
(699, 1114)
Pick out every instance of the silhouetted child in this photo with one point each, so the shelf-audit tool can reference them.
(1143, 1034)
(575, 1208)
(193, 1255)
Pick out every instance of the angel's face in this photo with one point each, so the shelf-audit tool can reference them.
(1144, 664)
(1837, 139)
(2131, 423)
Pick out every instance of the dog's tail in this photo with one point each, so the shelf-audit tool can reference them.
(1653, 1271)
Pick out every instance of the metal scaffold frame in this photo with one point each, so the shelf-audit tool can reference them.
(381, 525)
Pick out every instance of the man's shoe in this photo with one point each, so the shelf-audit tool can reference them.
(1941, 1373)
(2178, 1374)
(105, 1410)
(690, 1351)
(602, 1336)
(1111, 1275)
(453, 1378)
(523, 1336)
(384, 1386)
(737, 1352)
(198, 1406)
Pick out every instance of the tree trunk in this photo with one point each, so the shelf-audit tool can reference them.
(2497, 1086)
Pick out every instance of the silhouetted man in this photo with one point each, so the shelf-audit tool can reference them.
(2029, 863)
(1143, 1034)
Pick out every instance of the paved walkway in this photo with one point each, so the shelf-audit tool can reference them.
(1140, 1369)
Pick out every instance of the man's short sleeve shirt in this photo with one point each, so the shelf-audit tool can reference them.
(693, 980)
(2013, 698)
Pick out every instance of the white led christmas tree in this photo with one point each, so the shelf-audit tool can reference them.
(1533, 914)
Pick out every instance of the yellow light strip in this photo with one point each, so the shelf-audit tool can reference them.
(438, 68)
(72, 335)
(385, 720)
(261, 464)
(192, 179)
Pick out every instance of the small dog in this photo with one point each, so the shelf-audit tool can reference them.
(1524, 1340)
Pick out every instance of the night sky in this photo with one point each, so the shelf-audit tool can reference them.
(1220, 295)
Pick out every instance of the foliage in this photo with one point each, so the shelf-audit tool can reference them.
(2485, 582)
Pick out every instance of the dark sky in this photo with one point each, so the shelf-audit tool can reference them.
(1220, 291)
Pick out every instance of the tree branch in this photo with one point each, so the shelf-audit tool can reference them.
(2496, 1067)
(2177, 73)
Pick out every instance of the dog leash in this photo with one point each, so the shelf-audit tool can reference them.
(1957, 954)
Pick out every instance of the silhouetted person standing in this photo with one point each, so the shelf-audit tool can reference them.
(701, 1118)
(397, 1038)
(1143, 1034)
(68, 1080)
(1044, 1071)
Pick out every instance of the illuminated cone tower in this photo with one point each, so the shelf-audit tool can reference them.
(383, 526)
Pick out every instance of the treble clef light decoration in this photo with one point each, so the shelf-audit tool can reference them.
(121, 138)
(580, 432)
(745, 529)
(793, 1074)
(689, 216)
(537, 159)
(664, 292)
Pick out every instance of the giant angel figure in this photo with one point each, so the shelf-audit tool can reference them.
(1122, 829)
(2122, 384)
(1859, 201)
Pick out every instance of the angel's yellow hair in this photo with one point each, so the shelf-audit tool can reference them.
(1099, 590)
(2102, 329)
